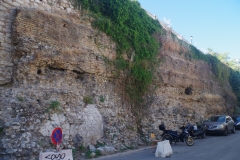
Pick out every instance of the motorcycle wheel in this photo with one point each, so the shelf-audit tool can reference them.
(189, 141)
(203, 135)
(167, 137)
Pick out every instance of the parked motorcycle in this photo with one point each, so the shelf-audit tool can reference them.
(173, 136)
(196, 130)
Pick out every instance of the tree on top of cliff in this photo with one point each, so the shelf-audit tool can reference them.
(233, 72)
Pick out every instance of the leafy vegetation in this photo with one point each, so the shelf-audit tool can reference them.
(74, 152)
(82, 148)
(132, 29)
(235, 83)
(102, 98)
(220, 69)
(9, 84)
(98, 153)
(54, 106)
(89, 154)
(197, 54)
(20, 99)
(230, 70)
(236, 110)
(87, 100)
(224, 69)
(1, 130)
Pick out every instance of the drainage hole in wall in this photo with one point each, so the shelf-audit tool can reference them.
(188, 91)
(39, 71)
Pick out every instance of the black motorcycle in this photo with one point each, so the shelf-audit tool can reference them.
(173, 136)
(196, 130)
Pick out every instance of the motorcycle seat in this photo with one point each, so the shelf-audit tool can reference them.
(173, 132)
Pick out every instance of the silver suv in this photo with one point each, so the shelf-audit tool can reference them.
(220, 124)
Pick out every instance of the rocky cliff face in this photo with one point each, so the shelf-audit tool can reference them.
(188, 90)
(52, 55)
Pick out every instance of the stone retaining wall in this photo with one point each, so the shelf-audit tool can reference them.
(7, 15)
(50, 55)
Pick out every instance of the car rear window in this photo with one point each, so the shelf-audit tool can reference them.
(217, 119)
(236, 118)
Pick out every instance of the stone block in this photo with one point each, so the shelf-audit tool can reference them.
(16, 127)
(6, 45)
(47, 6)
(69, 10)
(8, 40)
(6, 30)
(3, 8)
(16, 4)
(38, 1)
(7, 5)
(107, 150)
(19, 1)
(8, 35)
(2, 23)
(26, 1)
(2, 39)
(41, 8)
(8, 19)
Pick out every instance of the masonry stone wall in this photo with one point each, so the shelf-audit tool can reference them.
(47, 55)
(7, 15)
(50, 54)
(58, 59)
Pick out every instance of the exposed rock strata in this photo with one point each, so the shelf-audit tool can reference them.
(59, 57)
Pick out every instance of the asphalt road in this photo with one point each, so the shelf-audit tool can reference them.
(212, 147)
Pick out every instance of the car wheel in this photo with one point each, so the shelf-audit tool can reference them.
(225, 133)
(233, 130)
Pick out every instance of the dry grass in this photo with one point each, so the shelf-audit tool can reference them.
(187, 107)
(206, 97)
(212, 96)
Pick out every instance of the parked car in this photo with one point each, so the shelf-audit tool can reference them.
(220, 124)
(236, 120)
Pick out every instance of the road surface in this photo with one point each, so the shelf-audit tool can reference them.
(212, 147)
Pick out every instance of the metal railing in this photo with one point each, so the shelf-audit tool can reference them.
(167, 27)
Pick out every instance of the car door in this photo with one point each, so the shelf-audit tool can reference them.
(230, 123)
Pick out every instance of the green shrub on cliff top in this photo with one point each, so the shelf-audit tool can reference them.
(224, 69)
(235, 83)
(132, 29)
(220, 70)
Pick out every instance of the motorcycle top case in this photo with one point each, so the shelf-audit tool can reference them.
(162, 127)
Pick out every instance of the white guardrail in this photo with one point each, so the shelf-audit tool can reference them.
(167, 27)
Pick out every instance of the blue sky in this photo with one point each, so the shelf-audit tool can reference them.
(213, 24)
